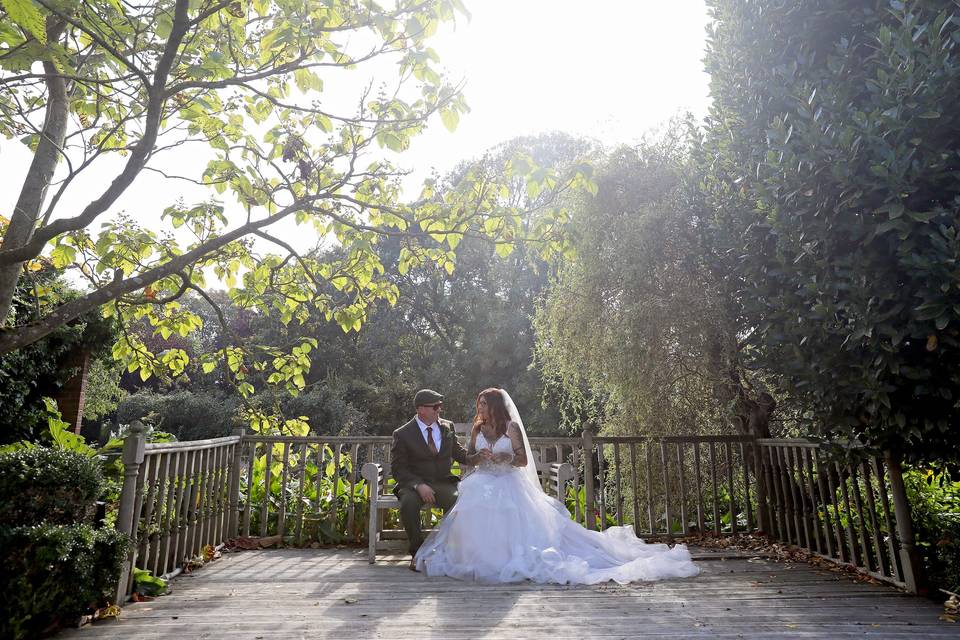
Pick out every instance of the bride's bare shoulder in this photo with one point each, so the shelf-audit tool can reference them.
(513, 427)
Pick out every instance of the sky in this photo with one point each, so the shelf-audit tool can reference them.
(607, 69)
(611, 70)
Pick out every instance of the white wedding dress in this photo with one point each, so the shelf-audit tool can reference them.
(504, 528)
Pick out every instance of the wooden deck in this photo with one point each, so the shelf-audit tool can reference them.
(279, 594)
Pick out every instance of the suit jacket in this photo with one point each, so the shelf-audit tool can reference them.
(413, 463)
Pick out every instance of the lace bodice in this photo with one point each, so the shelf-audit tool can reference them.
(501, 446)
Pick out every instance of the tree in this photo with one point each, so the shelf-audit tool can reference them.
(830, 156)
(239, 84)
(639, 332)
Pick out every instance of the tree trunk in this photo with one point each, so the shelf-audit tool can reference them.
(26, 213)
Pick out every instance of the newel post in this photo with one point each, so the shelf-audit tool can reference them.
(909, 558)
(133, 453)
(588, 485)
(233, 522)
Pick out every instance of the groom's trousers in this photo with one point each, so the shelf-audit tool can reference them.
(445, 494)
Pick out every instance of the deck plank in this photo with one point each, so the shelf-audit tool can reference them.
(288, 593)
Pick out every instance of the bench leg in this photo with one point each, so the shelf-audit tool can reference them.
(373, 533)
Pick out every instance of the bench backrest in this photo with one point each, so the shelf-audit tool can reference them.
(554, 475)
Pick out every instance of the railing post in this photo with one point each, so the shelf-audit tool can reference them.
(133, 453)
(588, 485)
(763, 510)
(909, 557)
(233, 521)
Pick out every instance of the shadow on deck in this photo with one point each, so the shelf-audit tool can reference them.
(290, 593)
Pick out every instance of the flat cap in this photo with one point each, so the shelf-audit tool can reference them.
(426, 396)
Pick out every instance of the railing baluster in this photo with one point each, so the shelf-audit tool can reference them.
(872, 510)
(733, 504)
(748, 506)
(186, 513)
(616, 480)
(667, 507)
(810, 487)
(634, 488)
(683, 490)
(578, 515)
(153, 464)
(701, 523)
(866, 556)
(162, 509)
(335, 488)
(838, 521)
(354, 454)
(773, 509)
(896, 570)
(716, 488)
(265, 505)
(851, 536)
(602, 485)
(248, 503)
(800, 496)
(783, 521)
(318, 480)
(282, 509)
(301, 478)
(176, 524)
(649, 478)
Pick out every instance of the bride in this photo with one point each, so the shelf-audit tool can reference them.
(504, 528)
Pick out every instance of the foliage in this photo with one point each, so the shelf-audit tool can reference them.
(934, 497)
(241, 85)
(324, 494)
(186, 415)
(830, 157)
(103, 392)
(145, 583)
(53, 574)
(51, 485)
(39, 370)
(637, 333)
(459, 331)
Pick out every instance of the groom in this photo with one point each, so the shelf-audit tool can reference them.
(422, 453)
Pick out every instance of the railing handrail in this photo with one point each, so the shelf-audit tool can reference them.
(190, 445)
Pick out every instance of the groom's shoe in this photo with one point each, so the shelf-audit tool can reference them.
(413, 564)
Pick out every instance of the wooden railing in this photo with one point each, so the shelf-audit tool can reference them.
(316, 480)
(179, 498)
(855, 513)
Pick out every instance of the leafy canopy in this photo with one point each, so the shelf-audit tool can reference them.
(259, 92)
(831, 157)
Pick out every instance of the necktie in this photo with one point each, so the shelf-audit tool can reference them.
(430, 442)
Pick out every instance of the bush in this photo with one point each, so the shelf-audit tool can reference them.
(52, 574)
(47, 485)
(935, 504)
(185, 414)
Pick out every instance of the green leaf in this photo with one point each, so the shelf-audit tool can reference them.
(26, 15)
(451, 118)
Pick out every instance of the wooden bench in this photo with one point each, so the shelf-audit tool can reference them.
(556, 475)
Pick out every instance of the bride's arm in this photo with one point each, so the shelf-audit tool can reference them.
(473, 456)
(516, 441)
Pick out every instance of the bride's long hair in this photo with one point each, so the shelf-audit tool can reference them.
(496, 408)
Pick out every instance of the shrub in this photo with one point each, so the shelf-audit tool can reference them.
(187, 415)
(47, 485)
(935, 504)
(52, 574)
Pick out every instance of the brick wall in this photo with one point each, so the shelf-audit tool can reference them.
(72, 397)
